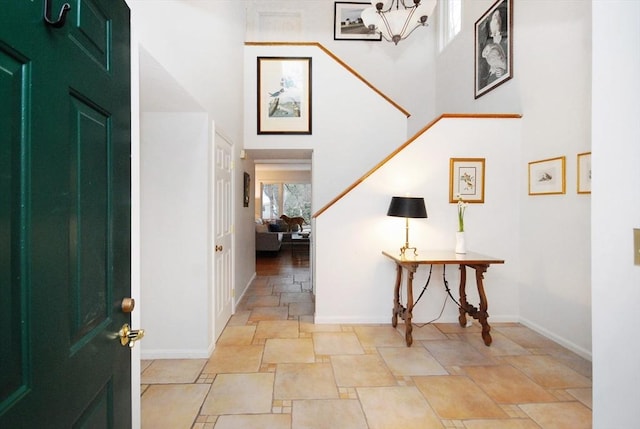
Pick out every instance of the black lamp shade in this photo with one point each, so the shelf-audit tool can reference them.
(412, 207)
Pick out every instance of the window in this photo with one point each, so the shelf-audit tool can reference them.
(271, 201)
(297, 200)
(292, 199)
(450, 21)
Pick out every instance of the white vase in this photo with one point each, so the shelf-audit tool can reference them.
(460, 245)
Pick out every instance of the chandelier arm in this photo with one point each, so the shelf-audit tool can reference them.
(385, 30)
(397, 3)
(386, 24)
(382, 35)
(409, 33)
(406, 23)
(380, 11)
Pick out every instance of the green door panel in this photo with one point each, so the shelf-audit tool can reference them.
(14, 350)
(64, 215)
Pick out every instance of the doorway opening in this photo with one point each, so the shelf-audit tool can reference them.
(283, 204)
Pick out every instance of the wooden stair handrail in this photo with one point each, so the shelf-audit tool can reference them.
(339, 61)
(408, 142)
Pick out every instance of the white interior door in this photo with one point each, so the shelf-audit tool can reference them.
(222, 237)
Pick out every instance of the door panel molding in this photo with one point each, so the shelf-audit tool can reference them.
(15, 350)
(89, 224)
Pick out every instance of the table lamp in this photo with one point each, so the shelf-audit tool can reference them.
(407, 207)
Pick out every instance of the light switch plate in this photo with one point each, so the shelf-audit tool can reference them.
(636, 246)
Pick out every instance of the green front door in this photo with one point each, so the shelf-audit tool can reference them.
(64, 215)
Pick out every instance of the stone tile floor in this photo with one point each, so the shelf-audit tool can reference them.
(273, 368)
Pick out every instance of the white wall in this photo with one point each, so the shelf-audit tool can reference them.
(405, 72)
(199, 44)
(244, 233)
(555, 230)
(197, 60)
(351, 234)
(551, 88)
(174, 193)
(347, 139)
(615, 212)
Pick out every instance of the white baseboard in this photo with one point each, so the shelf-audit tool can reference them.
(350, 320)
(322, 320)
(246, 288)
(177, 354)
(560, 340)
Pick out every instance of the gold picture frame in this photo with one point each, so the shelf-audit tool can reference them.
(284, 95)
(547, 176)
(584, 173)
(466, 180)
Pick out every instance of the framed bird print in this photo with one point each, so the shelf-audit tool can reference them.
(547, 176)
(284, 95)
(493, 47)
(466, 180)
(584, 173)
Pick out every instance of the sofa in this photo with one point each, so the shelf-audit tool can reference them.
(271, 233)
(268, 241)
(268, 238)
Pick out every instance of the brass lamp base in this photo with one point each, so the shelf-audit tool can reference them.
(406, 247)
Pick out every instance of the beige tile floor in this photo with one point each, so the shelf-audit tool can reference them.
(274, 369)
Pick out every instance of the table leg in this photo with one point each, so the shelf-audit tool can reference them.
(484, 305)
(408, 326)
(480, 314)
(464, 305)
(397, 308)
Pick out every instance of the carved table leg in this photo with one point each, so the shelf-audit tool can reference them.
(464, 306)
(484, 305)
(397, 308)
(407, 318)
(480, 314)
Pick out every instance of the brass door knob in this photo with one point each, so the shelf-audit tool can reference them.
(127, 305)
(218, 248)
(129, 336)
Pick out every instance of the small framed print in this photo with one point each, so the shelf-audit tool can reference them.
(348, 25)
(584, 173)
(466, 180)
(547, 176)
(284, 95)
(246, 189)
(493, 47)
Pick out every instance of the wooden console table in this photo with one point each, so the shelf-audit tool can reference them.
(480, 263)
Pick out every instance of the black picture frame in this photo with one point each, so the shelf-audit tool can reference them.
(284, 95)
(493, 59)
(246, 189)
(347, 24)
